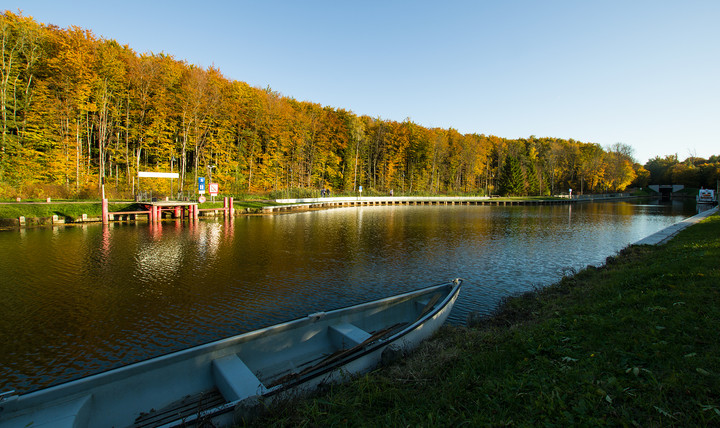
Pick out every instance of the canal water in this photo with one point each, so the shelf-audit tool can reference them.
(79, 300)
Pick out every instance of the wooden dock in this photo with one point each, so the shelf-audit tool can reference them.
(319, 203)
(154, 210)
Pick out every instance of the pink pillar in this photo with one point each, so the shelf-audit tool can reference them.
(151, 215)
(197, 212)
(105, 214)
(230, 206)
(177, 212)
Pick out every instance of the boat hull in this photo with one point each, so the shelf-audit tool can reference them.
(297, 355)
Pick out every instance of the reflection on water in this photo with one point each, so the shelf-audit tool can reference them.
(78, 300)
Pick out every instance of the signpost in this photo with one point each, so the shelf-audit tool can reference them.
(152, 174)
(201, 185)
(214, 190)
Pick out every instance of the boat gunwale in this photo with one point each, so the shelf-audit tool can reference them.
(370, 348)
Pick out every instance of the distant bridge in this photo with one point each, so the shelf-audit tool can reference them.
(666, 190)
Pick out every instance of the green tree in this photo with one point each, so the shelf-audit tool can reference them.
(512, 180)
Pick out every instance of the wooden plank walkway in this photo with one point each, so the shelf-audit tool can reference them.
(319, 203)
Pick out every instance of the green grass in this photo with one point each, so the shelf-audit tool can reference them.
(70, 209)
(633, 343)
(93, 209)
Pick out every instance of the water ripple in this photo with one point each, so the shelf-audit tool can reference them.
(76, 301)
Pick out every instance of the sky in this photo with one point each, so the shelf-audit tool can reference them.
(642, 73)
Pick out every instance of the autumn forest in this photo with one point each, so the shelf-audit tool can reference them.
(78, 111)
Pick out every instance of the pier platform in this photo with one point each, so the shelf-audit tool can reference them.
(154, 210)
(333, 202)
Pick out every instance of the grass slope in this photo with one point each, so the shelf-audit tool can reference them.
(633, 343)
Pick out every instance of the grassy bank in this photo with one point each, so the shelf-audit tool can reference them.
(61, 209)
(633, 343)
(76, 209)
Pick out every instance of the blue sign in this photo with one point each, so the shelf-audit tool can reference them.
(201, 185)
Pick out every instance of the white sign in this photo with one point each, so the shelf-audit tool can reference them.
(214, 188)
(706, 195)
(151, 174)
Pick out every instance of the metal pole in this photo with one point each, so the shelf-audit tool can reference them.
(172, 161)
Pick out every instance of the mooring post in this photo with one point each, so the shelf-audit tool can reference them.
(230, 206)
(105, 214)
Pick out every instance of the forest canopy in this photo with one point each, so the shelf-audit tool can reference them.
(77, 110)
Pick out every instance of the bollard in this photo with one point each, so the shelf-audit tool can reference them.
(105, 216)
(21, 220)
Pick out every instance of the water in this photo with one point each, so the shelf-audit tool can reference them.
(78, 300)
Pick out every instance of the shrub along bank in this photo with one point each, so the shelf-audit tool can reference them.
(632, 343)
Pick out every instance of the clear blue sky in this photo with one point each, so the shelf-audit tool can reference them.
(643, 73)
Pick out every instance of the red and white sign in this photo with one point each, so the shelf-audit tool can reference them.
(214, 188)
(202, 199)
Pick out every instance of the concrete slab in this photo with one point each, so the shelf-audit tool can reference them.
(666, 234)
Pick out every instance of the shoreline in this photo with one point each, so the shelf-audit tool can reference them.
(632, 342)
(57, 213)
